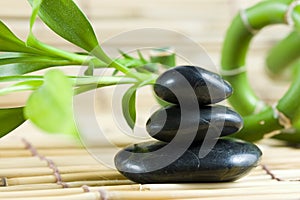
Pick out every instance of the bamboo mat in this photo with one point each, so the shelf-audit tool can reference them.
(52, 167)
(38, 166)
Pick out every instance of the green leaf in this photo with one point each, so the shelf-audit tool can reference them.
(10, 119)
(128, 106)
(22, 86)
(151, 67)
(125, 55)
(35, 10)
(141, 57)
(50, 107)
(10, 42)
(164, 56)
(90, 70)
(67, 20)
(21, 63)
(20, 78)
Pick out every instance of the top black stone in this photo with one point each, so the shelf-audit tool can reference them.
(188, 84)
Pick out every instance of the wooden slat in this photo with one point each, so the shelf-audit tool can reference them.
(257, 185)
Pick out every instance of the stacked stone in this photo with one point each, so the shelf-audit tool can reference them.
(190, 131)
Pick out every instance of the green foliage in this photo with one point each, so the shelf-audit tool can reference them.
(128, 106)
(11, 43)
(22, 86)
(10, 119)
(22, 63)
(67, 20)
(50, 106)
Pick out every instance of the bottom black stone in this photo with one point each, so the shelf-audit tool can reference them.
(160, 162)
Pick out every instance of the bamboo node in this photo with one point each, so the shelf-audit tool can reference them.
(260, 105)
(63, 184)
(85, 188)
(282, 118)
(272, 134)
(246, 23)
(233, 72)
(3, 181)
(288, 15)
(103, 194)
(141, 187)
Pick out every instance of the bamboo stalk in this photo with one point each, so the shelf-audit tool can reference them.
(25, 172)
(252, 197)
(84, 196)
(103, 175)
(45, 142)
(49, 186)
(45, 152)
(7, 163)
(19, 162)
(30, 187)
(283, 166)
(60, 142)
(268, 154)
(99, 183)
(6, 153)
(258, 177)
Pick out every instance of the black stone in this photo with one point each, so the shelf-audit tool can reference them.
(183, 83)
(228, 160)
(219, 120)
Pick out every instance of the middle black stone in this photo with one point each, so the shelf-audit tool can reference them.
(217, 120)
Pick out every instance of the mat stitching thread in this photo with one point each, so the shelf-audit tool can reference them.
(85, 188)
(103, 194)
(268, 171)
(3, 181)
(273, 176)
(50, 163)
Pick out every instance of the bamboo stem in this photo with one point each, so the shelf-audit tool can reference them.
(25, 172)
(7, 153)
(104, 175)
(49, 186)
(19, 162)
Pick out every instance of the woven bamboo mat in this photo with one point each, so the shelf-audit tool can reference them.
(41, 166)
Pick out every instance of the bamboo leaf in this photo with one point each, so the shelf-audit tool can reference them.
(50, 106)
(22, 86)
(164, 56)
(35, 10)
(10, 119)
(141, 57)
(128, 106)
(20, 78)
(125, 55)
(68, 21)
(21, 63)
(10, 42)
